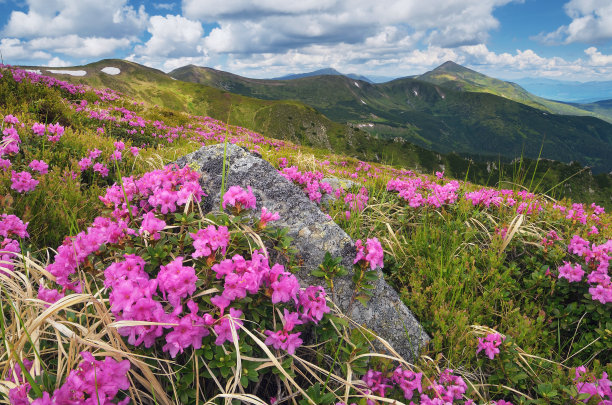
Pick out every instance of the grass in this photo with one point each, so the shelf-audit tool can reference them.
(464, 269)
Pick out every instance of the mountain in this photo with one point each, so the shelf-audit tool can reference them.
(322, 72)
(458, 77)
(602, 107)
(568, 91)
(443, 117)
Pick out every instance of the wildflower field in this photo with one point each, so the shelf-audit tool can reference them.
(116, 288)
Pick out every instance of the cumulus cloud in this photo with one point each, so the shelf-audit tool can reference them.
(172, 36)
(597, 58)
(87, 18)
(14, 50)
(273, 26)
(591, 23)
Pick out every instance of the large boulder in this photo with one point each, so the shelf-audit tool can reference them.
(313, 234)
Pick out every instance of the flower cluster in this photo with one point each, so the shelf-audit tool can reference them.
(445, 390)
(11, 227)
(592, 387)
(371, 254)
(92, 382)
(490, 344)
(418, 192)
(238, 198)
(597, 263)
(210, 240)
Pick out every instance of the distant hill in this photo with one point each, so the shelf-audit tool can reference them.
(458, 77)
(321, 72)
(444, 118)
(602, 107)
(568, 91)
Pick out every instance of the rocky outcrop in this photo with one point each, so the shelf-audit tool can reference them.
(314, 235)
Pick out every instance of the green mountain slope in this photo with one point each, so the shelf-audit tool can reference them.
(433, 116)
(455, 76)
(603, 107)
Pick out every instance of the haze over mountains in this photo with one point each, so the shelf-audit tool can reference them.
(449, 109)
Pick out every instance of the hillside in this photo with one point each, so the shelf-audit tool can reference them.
(432, 116)
(457, 77)
(602, 107)
(125, 278)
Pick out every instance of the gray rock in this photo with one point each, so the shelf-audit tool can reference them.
(313, 234)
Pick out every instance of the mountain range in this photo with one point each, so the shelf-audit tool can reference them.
(448, 110)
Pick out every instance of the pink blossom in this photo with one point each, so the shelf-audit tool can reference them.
(84, 163)
(151, 225)
(490, 344)
(237, 197)
(224, 328)
(38, 129)
(100, 168)
(210, 240)
(11, 119)
(176, 281)
(573, 274)
(40, 166)
(5, 164)
(371, 253)
(267, 216)
(57, 130)
(12, 225)
(23, 182)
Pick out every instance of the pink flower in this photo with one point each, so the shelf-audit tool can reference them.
(237, 197)
(573, 274)
(12, 225)
(490, 344)
(40, 166)
(176, 281)
(285, 288)
(57, 130)
(94, 154)
(210, 240)
(5, 164)
(151, 225)
(11, 119)
(371, 253)
(134, 150)
(224, 328)
(84, 163)
(267, 216)
(38, 129)
(312, 301)
(23, 182)
(49, 295)
(100, 168)
(119, 145)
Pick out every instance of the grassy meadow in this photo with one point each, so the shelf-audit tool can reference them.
(117, 288)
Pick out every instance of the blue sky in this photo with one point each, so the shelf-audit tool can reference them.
(559, 39)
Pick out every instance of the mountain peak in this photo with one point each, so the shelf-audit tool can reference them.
(450, 66)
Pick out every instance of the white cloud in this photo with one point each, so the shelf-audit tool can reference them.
(278, 26)
(591, 23)
(86, 18)
(73, 45)
(15, 51)
(57, 62)
(172, 36)
(597, 58)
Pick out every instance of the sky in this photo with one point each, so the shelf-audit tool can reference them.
(509, 39)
